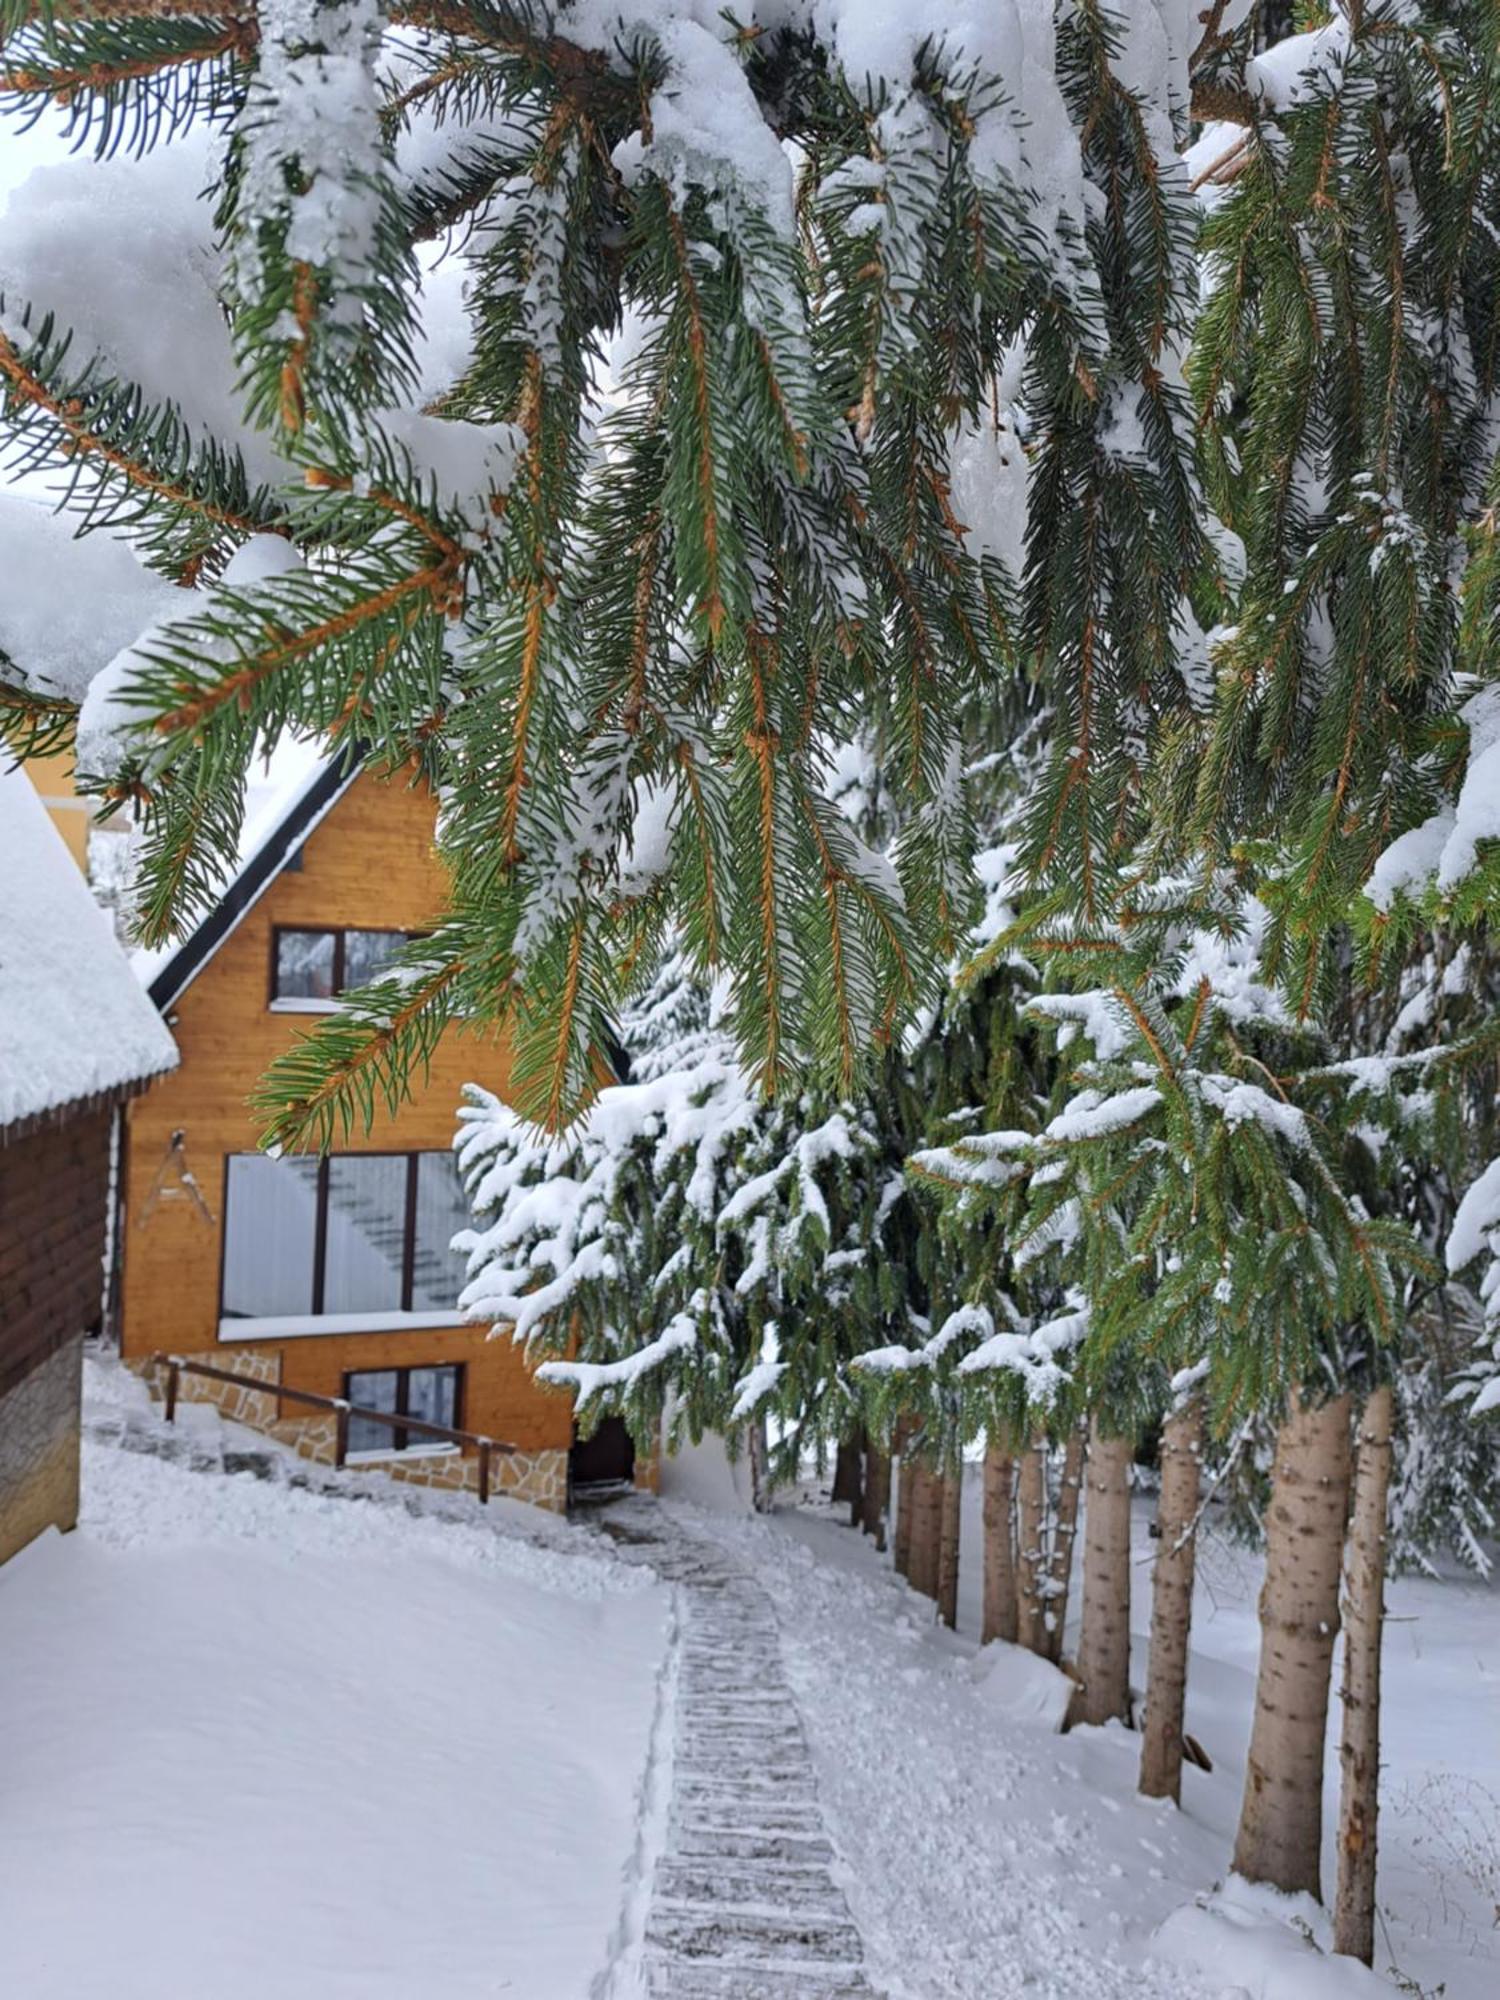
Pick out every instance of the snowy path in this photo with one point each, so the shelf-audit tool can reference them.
(742, 1901)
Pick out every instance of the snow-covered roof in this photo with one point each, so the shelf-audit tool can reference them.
(280, 814)
(73, 1021)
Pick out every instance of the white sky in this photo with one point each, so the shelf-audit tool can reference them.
(21, 151)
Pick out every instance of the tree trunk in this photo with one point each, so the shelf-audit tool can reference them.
(1172, 1603)
(1281, 1818)
(1031, 1552)
(926, 1530)
(905, 1502)
(1064, 1536)
(951, 1489)
(999, 1547)
(760, 1466)
(877, 1495)
(848, 1476)
(1359, 1748)
(1103, 1692)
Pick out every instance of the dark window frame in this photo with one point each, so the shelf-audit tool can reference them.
(288, 1002)
(401, 1438)
(413, 1158)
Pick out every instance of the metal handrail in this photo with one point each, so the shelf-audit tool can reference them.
(176, 1367)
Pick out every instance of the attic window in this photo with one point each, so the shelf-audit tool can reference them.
(311, 968)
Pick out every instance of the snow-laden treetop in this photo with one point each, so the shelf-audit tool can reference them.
(618, 410)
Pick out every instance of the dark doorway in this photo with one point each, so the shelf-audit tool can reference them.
(607, 1459)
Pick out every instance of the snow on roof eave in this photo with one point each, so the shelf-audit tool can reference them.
(258, 869)
(76, 1032)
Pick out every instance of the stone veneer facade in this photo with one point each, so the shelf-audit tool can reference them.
(540, 1478)
(39, 1449)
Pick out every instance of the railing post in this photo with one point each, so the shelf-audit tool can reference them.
(170, 1407)
(341, 1434)
(484, 1472)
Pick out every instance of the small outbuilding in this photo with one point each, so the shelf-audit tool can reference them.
(77, 1038)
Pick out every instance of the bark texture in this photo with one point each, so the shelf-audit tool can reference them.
(1103, 1663)
(999, 1620)
(905, 1502)
(1281, 1817)
(950, 1503)
(760, 1466)
(1359, 1745)
(849, 1476)
(926, 1530)
(1059, 1577)
(1031, 1552)
(1172, 1602)
(877, 1497)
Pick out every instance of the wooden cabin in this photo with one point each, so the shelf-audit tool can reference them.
(78, 1038)
(333, 1276)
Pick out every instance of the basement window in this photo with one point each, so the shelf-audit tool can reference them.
(433, 1394)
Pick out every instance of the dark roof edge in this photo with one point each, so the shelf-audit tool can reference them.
(78, 1107)
(256, 876)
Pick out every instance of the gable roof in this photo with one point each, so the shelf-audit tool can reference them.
(74, 1023)
(271, 841)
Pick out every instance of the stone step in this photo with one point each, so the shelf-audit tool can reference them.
(763, 1747)
(754, 1799)
(745, 1886)
(788, 1851)
(743, 1937)
(717, 1813)
(667, 1979)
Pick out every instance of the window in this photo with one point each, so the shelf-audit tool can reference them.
(431, 1394)
(311, 968)
(270, 1235)
(357, 1235)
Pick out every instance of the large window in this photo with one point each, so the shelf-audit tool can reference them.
(310, 969)
(354, 1234)
(433, 1394)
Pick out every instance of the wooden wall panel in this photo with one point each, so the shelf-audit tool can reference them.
(369, 864)
(53, 1191)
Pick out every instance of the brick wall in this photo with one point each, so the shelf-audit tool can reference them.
(53, 1192)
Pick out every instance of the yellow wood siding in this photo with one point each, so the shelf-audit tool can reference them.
(368, 865)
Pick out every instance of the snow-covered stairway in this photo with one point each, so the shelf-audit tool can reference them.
(743, 1903)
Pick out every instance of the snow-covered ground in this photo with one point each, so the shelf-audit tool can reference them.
(262, 1740)
(986, 1855)
(256, 1741)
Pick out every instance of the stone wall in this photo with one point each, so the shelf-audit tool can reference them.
(39, 1449)
(242, 1406)
(540, 1477)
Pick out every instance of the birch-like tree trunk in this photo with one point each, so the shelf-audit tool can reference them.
(760, 1465)
(1103, 1662)
(999, 1619)
(1280, 1835)
(1059, 1579)
(1031, 1550)
(1172, 1602)
(1359, 1746)
(877, 1494)
(950, 1509)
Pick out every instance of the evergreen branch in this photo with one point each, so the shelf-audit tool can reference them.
(320, 1083)
(412, 597)
(82, 413)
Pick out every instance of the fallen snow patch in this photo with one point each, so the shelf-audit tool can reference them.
(263, 1741)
